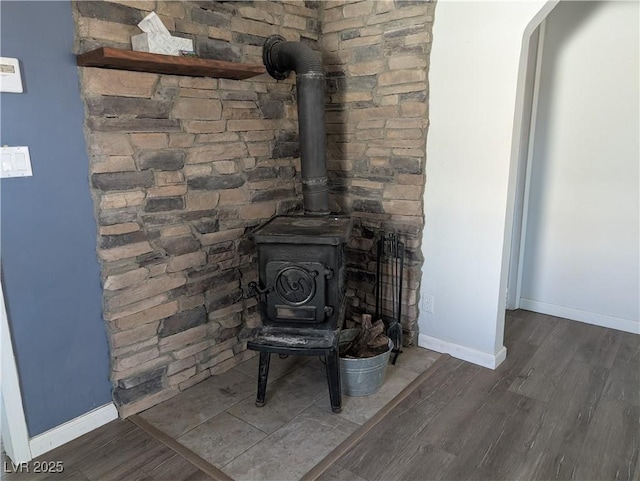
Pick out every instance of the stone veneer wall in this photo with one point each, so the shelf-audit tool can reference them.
(377, 56)
(182, 169)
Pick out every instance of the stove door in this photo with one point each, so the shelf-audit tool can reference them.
(297, 291)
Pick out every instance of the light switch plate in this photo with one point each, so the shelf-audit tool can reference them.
(10, 78)
(16, 162)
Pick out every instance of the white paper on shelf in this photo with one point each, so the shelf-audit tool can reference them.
(152, 24)
(156, 43)
(157, 39)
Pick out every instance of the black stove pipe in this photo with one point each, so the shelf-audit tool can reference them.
(281, 57)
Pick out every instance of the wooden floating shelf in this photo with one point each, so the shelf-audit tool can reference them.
(106, 57)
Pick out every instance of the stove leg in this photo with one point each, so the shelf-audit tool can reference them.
(333, 377)
(263, 373)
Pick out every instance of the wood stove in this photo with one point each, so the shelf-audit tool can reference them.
(301, 289)
(301, 270)
(301, 265)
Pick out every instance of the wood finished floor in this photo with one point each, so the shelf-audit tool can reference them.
(564, 405)
(118, 451)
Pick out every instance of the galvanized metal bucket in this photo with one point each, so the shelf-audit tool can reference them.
(361, 377)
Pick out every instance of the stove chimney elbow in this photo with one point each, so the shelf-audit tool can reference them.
(281, 57)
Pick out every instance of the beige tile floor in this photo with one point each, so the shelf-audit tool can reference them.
(295, 430)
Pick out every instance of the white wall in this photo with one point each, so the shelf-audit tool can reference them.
(476, 85)
(582, 241)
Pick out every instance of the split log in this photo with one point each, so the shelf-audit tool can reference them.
(370, 342)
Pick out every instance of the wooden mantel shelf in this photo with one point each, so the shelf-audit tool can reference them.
(106, 57)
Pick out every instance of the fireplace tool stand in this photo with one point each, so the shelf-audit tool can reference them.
(391, 254)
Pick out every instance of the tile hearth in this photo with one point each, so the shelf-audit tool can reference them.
(218, 420)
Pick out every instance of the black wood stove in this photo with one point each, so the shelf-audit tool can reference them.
(301, 265)
(301, 270)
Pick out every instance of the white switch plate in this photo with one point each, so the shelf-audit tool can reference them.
(16, 162)
(10, 78)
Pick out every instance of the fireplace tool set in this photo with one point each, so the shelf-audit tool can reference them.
(391, 256)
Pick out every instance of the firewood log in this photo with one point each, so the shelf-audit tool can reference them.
(369, 342)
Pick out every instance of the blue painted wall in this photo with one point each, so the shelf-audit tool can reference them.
(50, 271)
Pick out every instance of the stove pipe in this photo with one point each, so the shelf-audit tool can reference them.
(281, 57)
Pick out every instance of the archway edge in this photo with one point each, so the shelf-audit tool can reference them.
(475, 98)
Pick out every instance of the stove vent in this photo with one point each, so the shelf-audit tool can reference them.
(281, 58)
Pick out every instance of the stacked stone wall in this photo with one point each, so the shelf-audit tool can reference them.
(377, 56)
(182, 169)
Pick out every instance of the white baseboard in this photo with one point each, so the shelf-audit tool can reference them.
(73, 429)
(475, 356)
(603, 320)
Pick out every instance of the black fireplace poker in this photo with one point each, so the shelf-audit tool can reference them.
(281, 58)
(391, 249)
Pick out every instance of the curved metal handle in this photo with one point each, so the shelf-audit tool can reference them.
(256, 290)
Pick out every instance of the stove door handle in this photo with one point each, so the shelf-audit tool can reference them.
(256, 290)
(328, 273)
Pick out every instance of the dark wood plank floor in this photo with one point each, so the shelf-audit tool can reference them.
(118, 451)
(564, 405)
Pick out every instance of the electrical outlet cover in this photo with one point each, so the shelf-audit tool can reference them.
(427, 304)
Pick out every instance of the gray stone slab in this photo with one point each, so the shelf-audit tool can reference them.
(120, 124)
(416, 359)
(106, 106)
(216, 183)
(286, 398)
(277, 367)
(221, 439)
(162, 160)
(182, 321)
(359, 410)
(164, 204)
(189, 409)
(293, 450)
(122, 180)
